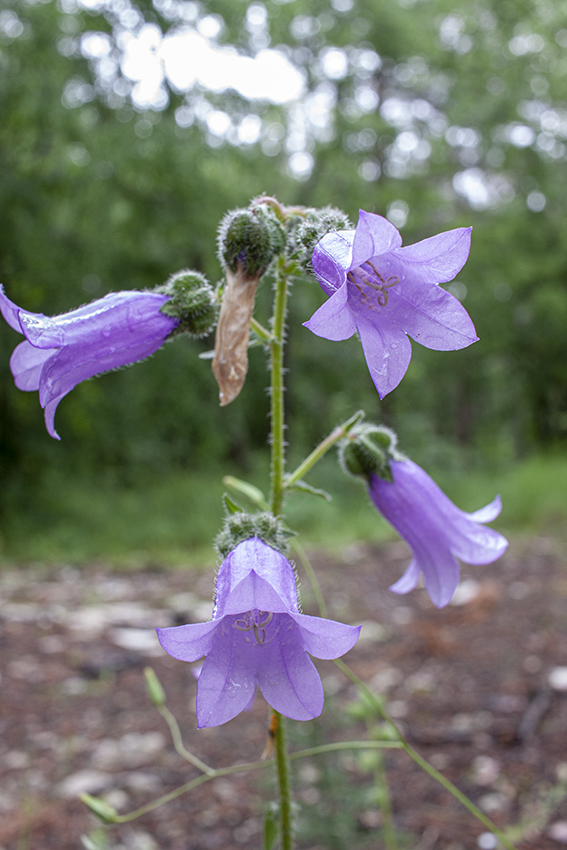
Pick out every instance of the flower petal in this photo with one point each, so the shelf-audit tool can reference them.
(409, 579)
(334, 319)
(439, 258)
(326, 638)
(374, 235)
(26, 364)
(332, 259)
(387, 352)
(488, 513)
(122, 318)
(255, 556)
(49, 416)
(75, 363)
(10, 311)
(286, 675)
(431, 316)
(227, 681)
(189, 642)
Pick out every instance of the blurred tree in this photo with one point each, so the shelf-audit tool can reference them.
(127, 130)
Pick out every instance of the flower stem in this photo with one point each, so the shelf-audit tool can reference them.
(419, 760)
(323, 447)
(282, 768)
(276, 503)
(277, 388)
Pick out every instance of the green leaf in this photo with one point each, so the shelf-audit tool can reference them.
(231, 506)
(100, 808)
(307, 488)
(249, 490)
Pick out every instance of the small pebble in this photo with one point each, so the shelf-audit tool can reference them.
(558, 679)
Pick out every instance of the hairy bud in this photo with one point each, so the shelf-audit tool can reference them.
(242, 526)
(250, 238)
(192, 300)
(312, 227)
(368, 450)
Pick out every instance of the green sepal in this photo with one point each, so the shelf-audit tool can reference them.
(100, 808)
(271, 826)
(231, 506)
(310, 229)
(307, 488)
(249, 490)
(154, 687)
(241, 526)
(368, 450)
(192, 300)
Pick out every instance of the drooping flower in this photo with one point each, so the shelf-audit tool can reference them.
(386, 292)
(61, 351)
(123, 327)
(257, 636)
(436, 530)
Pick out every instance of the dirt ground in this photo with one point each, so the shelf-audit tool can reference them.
(480, 690)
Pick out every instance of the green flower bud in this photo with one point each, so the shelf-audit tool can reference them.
(154, 688)
(368, 450)
(242, 526)
(192, 299)
(251, 237)
(312, 227)
(100, 808)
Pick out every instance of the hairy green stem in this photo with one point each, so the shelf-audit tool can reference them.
(277, 444)
(322, 449)
(277, 388)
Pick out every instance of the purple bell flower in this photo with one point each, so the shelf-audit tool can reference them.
(386, 292)
(257, 637)
(435, 529)
(61, 351)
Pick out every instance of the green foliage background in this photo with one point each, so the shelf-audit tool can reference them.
(98, 194)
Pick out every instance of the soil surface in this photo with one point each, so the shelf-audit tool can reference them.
(479, 689)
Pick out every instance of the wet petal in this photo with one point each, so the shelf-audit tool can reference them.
(227, 681)
(334, 319)
(122, 317)
(26, 364)
(387, 352)
(10, 311)
(439, 258)
(75, 363)
(374, 236)
(431, 316)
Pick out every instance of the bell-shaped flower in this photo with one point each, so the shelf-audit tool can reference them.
(257, 636)
(436, 530)
(61, 351)
(386, 292)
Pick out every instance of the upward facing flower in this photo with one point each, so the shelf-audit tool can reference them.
(437, 531)
(386, 292)
(257, 636)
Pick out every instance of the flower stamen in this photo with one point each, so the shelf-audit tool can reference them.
(362, 279)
